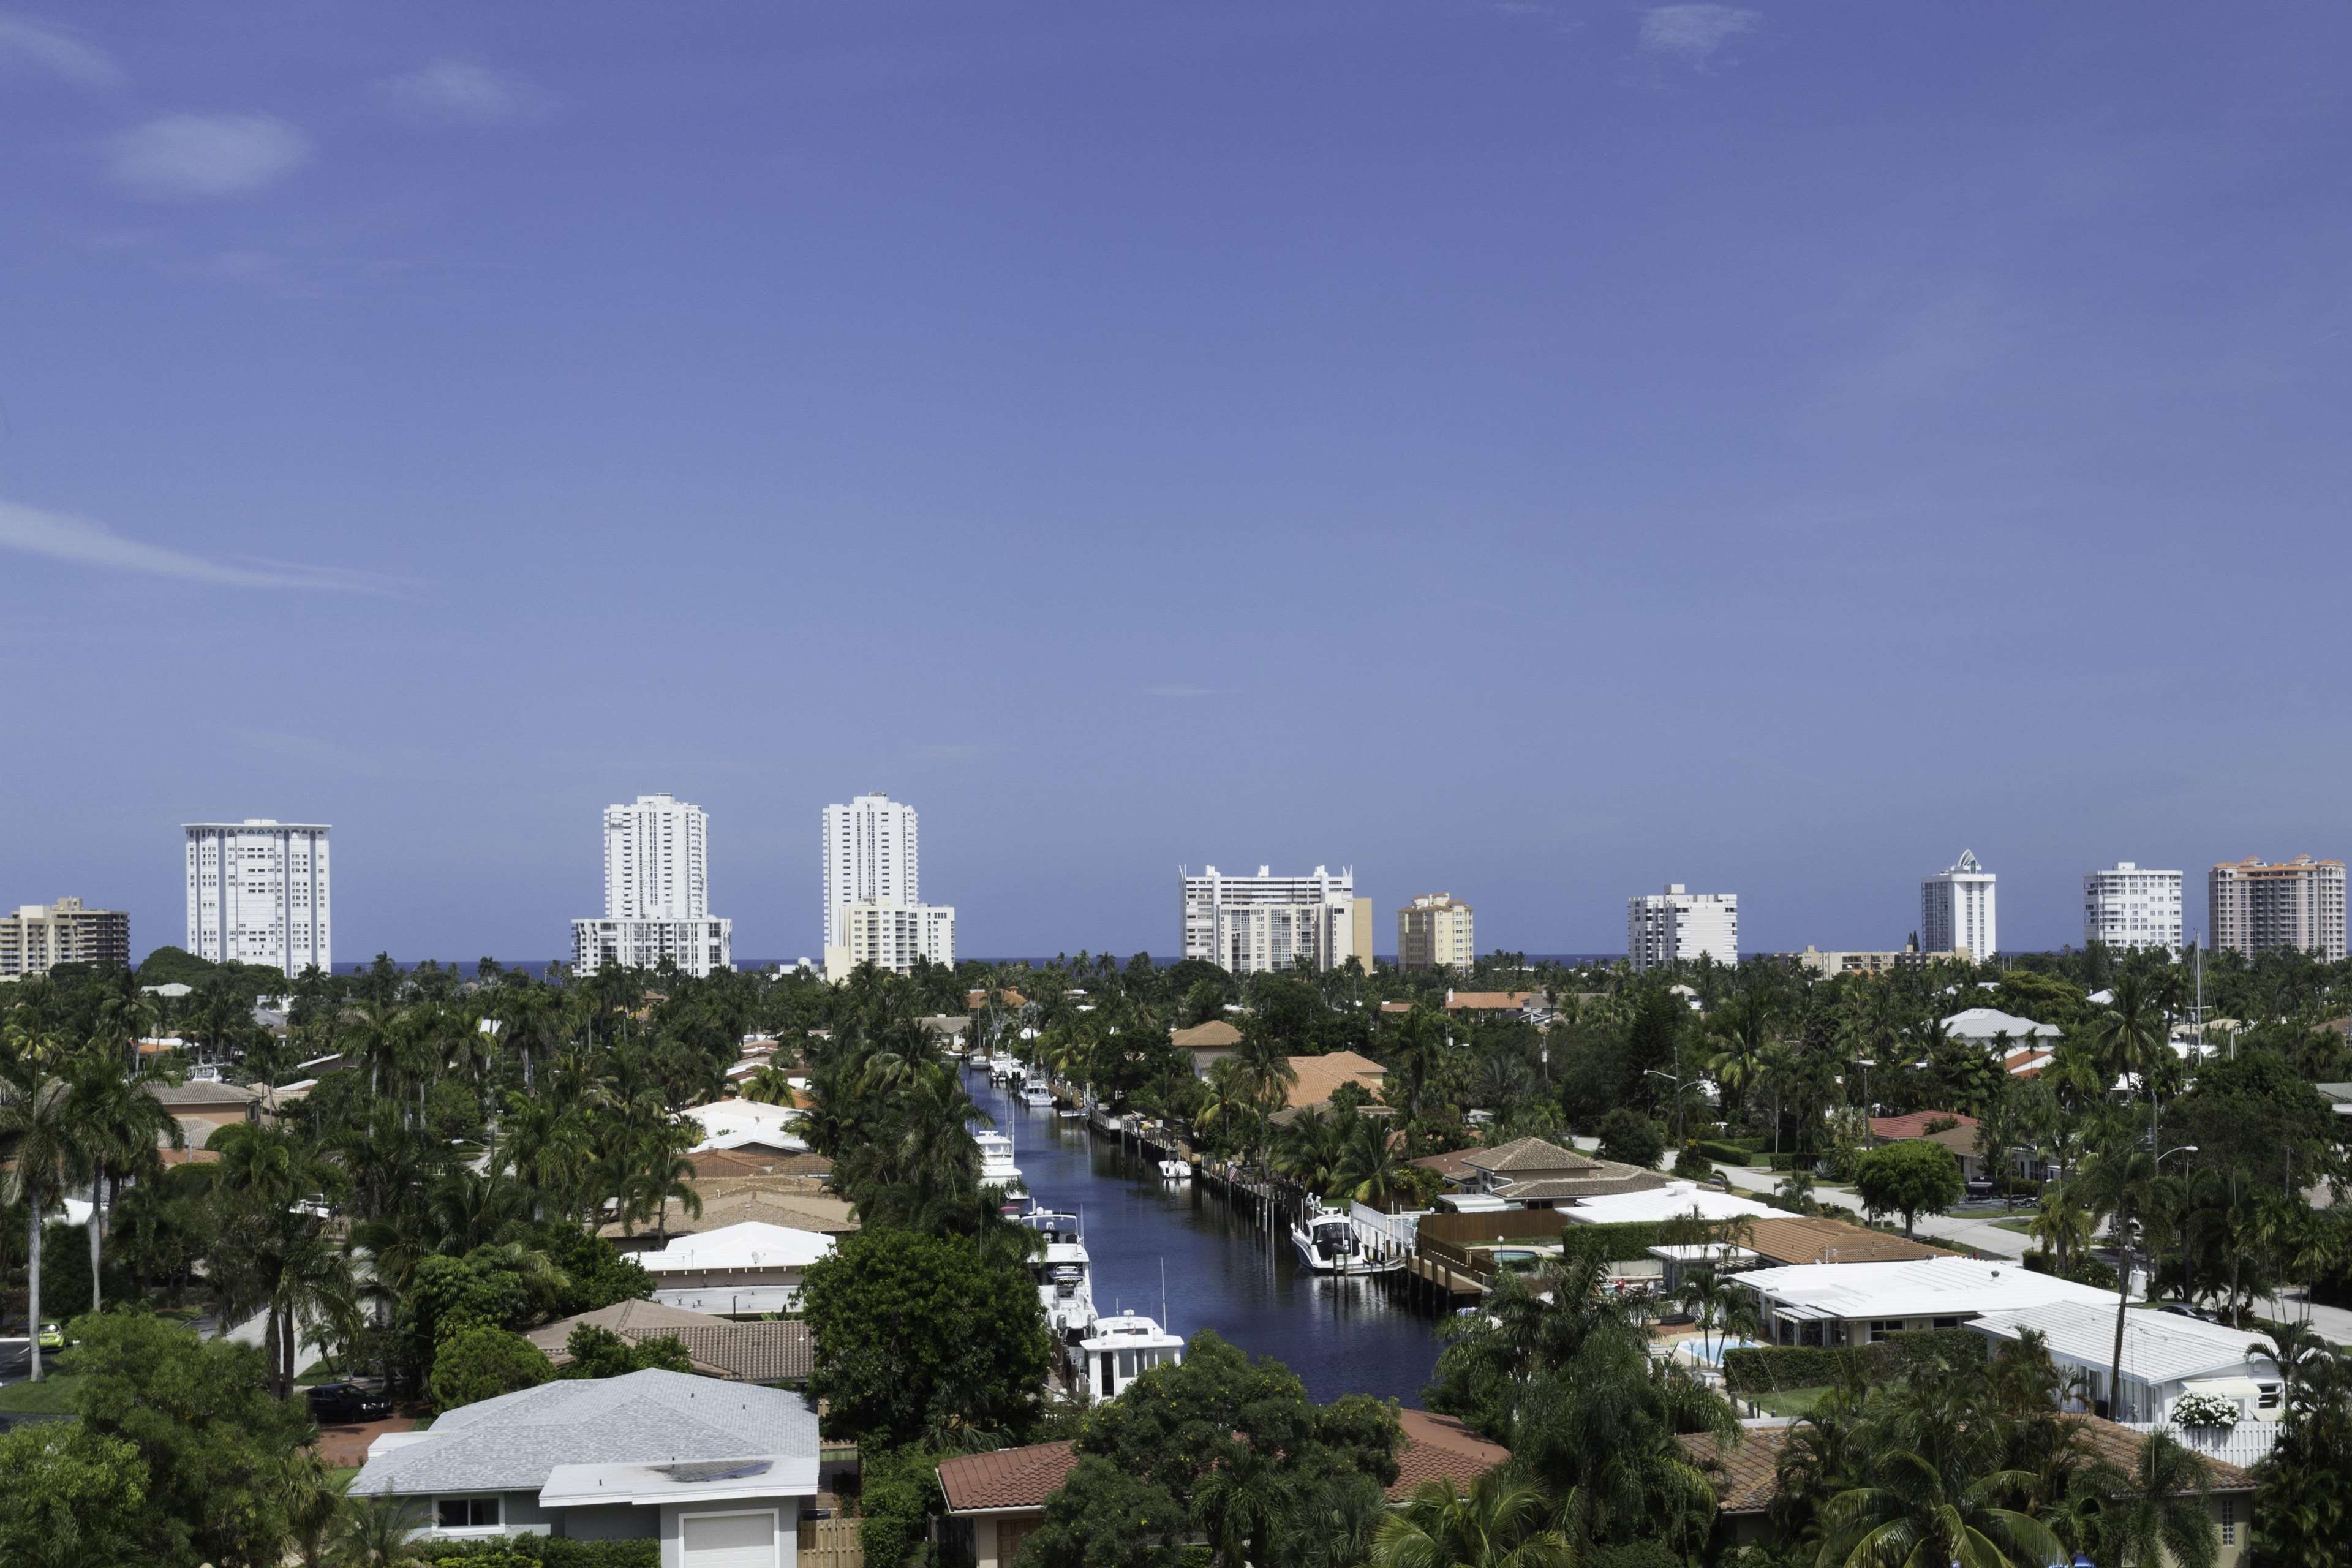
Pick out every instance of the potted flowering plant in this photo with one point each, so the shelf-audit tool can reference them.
(2205, 1412)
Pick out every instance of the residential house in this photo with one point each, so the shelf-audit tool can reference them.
(740, 1271)
(1531, 1173)
(726, 1200)
(1319, 1078)
(2164, 1357)
(1930, 1127)
(721, 1474)
(995, 1501)
(775, 1350)
(1992, 1028)
(1209, 1044)
(1746, 1477)
(1855, 1304)
(746, 1124)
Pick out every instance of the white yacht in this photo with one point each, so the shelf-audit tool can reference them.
(1175, 1171)
(1120, 1349)
(996, 1167)
(1066, 1287)
(1035, 1095)
(1328, 1244)
(1003, 1068)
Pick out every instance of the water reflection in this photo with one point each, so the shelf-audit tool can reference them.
(1216, 1270)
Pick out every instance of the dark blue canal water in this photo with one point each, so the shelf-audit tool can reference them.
(1221, 1271)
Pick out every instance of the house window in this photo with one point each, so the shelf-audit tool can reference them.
(2228, 1521)
(469, 1513)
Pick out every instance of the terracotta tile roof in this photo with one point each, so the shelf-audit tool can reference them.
(1607, 1181)
(721, 1162)
(1454, 1165)
(1396, 1006)
(1745, 1478)
(1801, 1239)
(1528, 1157)
(743, 1353)
(1896, 1129)
(1008, 997)
(1009, 1478)
(1214, 1035)
(1439, 1447)
(1487, 1001)
(735, 1200)
(1319, 1078)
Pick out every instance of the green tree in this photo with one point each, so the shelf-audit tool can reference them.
(1907, 1178)
(921, 1334)
(1497, 1524)
(37, 1122)
(69, 1498)
(2155, 1514)
(481, 1363)
(597, 1352)
(1629, 1136)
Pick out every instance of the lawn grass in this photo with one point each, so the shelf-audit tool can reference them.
(50, 1396)
(340, 1476)
(1790, 1401)
(2022, 1227)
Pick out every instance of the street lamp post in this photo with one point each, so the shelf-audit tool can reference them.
(1679, 1081)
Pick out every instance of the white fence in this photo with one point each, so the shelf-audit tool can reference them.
(2244, 1445)
(1385, 1235)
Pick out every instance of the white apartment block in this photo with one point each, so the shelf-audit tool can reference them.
(1955, 909)
(258, 893)
(891, 935)
(1435, 931)
(657, 893)
(657, 860)
(871, 855)
(2258, 906)
(40, 937)
(1679, 926)
(2130, 906)
(1252, 924)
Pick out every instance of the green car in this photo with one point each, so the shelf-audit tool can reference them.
(53, 1336)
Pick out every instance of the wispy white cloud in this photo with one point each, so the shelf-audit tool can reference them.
(1180, 690)
(61, 537)
(1696, 33)
(464, 92)
(190, 157)
(27, 44)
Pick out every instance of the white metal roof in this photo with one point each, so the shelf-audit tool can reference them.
(1985, 1022)
(753, 1244)
(2158, 1347)
(1921, 1288)
(1669, 1202)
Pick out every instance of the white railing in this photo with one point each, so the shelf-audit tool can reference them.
(2245, 1443)
(1390, 1235)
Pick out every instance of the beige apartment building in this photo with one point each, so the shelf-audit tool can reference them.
(37, 938)
(1435, 931)
(1819, 963)
(2258, 906)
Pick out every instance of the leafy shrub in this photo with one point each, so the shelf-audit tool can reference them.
(1725, 1154)
(541, 1551)
(1631, 1138)
(2206, 1410)
(1763, 1368)
(482, 1363)
(2086, 1270)
(1691, 1163)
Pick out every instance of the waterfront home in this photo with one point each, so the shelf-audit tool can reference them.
(1991, 1027)
(1855, 1304)
(766, 1351)
(746, 1124)
(739, 1270)
(1746, 1478)
(2165, 1356)
(719, 1473)
(1319, 1078)
(787, 1201)
(1947, 1129)
(995, 1501)
(1208, 1044)
(1531, 1173)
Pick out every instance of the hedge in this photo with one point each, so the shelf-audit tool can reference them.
(539, 1552)
(1763, 1368)
(1725, 1154)
(1811, 1157)
(2086, 1270)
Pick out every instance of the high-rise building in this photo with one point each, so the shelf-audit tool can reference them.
(1679, 926)
(2129, 906)
(258, 893)
(40, 937)
(894, 935)
(1955, 909)
(1250, 924)
(1434, 932)
(2298, 903)
(657, 893)
(871, 856)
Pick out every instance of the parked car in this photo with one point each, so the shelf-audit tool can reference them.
(53, 1336)
(343, 1403)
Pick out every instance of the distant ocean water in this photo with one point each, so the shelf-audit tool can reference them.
(540, 966)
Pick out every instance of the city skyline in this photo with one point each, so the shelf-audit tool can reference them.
(1670, 371)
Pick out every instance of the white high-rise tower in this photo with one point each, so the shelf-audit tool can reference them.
(873, 909)
(258, 893)
(657, 893)
(1955, 909)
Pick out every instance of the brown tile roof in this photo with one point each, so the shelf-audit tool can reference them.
(1008, 997)
(1319, 1078)
(1439, 1447)
(1608, 1181)
(1214, 1035)
(1396, 1006)
(731, 1200)
(1746, 1478)
(717, 1163)
(1799, 1239)
(1528, 1157)
(1896, 1129)
(1487, 1001)
(718, 1347)
(1009, 1478)
(1453, 1164)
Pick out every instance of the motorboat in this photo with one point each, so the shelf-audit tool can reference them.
(996, 1167)
(1064, 1273)
(1328, 1244)
(1173, 1170)
(1003, 1068)
(1036, 1096)
(1120, 1349)
(1073, 1113)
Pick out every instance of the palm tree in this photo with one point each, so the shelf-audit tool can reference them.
(1497, 1524)
(2125, 1183)
(1372, 1168)
(770, 1084)
(2154, 1515)
(375, 1533)
(121, 1123)
(36, 1116)
(1929, 1498)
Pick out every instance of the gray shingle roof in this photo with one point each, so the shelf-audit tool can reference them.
(512, 1442)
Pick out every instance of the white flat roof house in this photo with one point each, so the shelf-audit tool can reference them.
(746, 1124)
(719, 1473)
(1854, 1303)
(2164, 1357)
(1673, 1200)
(736, 1271)
(1986, 1024)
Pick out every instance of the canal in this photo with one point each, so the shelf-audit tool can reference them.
(1217, 1270)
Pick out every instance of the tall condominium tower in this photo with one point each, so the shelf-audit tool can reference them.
(38, 937)
(873, 909)
(1435, 931)
(1249, 924)
(657, 893)
(1955, 909)
(1679, 926)
(2298, 903)
(871, 856)
(2128, 905)
(258, 893)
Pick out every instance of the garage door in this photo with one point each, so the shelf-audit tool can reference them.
(727, 1541)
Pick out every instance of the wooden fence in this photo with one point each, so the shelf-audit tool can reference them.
(830, 1543)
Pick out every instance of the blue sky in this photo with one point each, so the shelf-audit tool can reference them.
(1534, 450)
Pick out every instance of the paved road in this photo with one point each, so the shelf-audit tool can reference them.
(1979, 1235)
